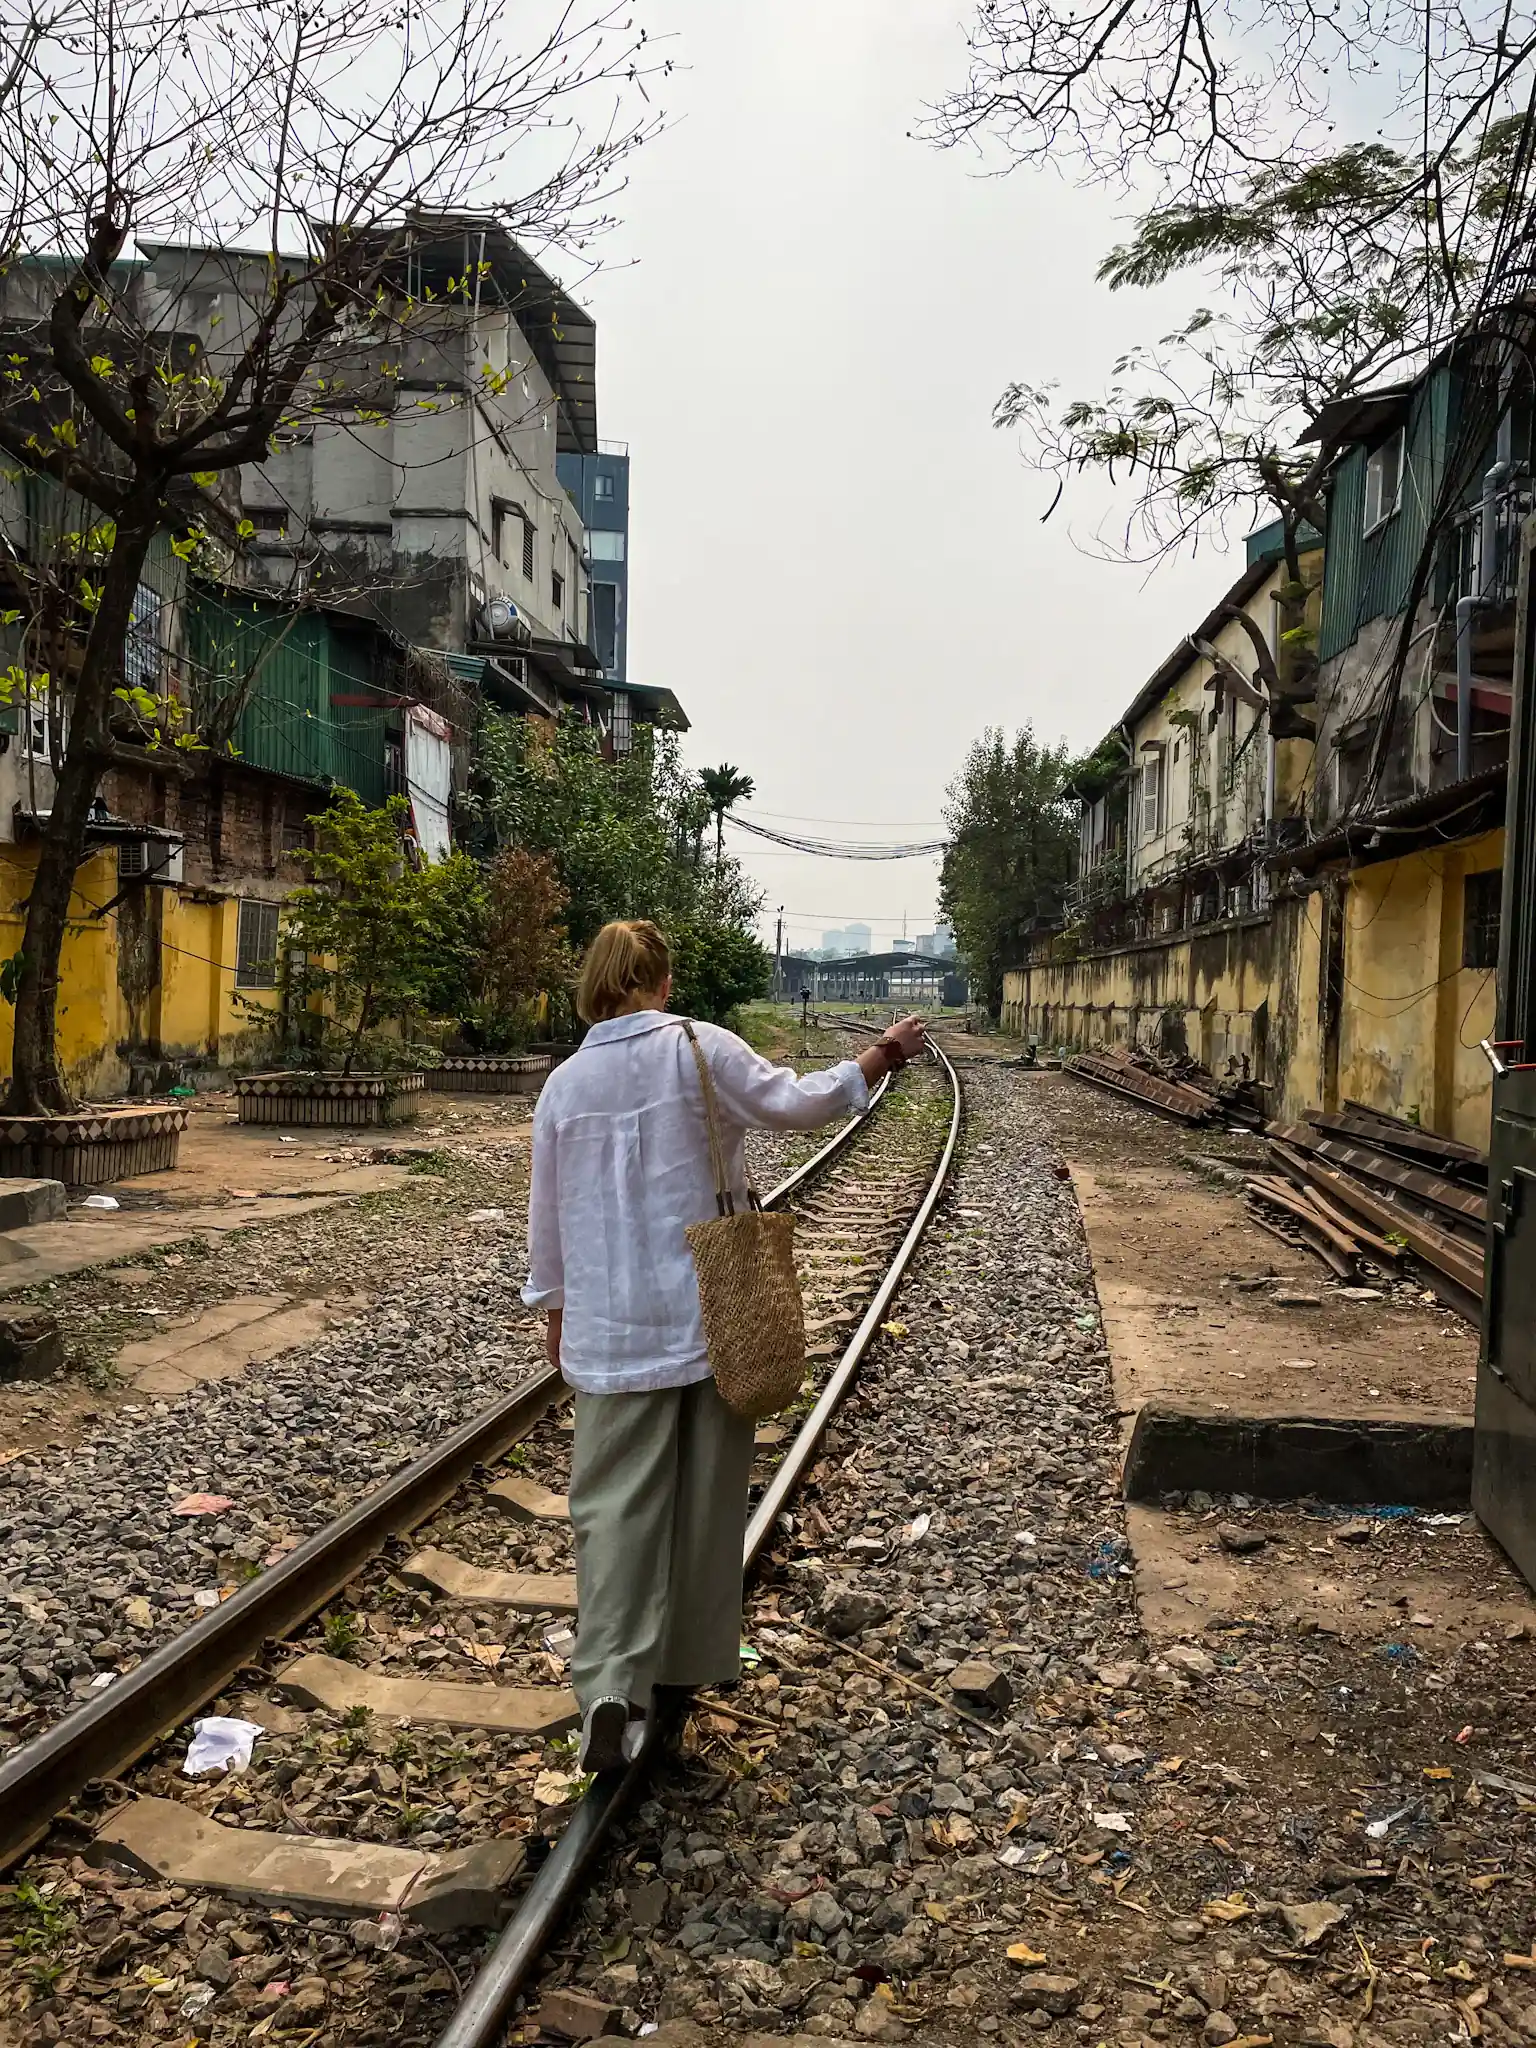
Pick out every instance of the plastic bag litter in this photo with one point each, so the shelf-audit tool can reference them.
(487, 1216)
(219, 1744)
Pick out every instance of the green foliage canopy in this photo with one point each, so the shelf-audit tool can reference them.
(1013, 839)
(626, 838)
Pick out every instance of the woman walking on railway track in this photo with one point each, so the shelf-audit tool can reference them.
(621, 1168)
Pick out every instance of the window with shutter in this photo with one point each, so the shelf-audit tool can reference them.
(527, 547)
(256, 945)
(1383, 480)
(1152, 795)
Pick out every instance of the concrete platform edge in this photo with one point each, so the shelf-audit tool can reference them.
(1354, 1460)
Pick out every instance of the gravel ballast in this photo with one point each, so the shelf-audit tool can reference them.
(959, 1795)
(97, 1565)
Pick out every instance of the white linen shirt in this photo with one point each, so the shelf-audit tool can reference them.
(621, 1168)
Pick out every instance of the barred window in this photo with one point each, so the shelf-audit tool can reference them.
(623, 725)
(1480, 918)
(141, 648)
(256, 945)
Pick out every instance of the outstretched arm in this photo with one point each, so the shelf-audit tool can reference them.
(757, 1095)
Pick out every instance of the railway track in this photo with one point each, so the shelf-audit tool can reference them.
(479, 1590)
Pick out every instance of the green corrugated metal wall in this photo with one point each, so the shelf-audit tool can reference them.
(290, 724)
(1369, 576)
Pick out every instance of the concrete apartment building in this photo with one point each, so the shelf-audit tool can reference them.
(426, 493)
(416, 560)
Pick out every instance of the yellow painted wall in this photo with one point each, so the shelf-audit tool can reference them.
(1227, 994)
(1411, 1017)
(1412, 1014)
(91, 1014)
(192, 1014)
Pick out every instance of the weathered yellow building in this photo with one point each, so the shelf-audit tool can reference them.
(1237, 903)
(158, 969)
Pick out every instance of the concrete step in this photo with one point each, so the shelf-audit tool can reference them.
(25, 1202)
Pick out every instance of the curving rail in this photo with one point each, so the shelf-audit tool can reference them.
(482, 2013)
(108, 1734)
(102, 1738)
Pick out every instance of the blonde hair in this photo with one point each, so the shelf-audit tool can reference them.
(627, 958)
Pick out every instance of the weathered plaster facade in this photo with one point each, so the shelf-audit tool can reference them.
(1232, 994)
(1399, 1030)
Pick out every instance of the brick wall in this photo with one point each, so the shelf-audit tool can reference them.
(241, 825)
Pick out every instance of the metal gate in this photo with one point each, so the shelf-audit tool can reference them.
(1504, 1466)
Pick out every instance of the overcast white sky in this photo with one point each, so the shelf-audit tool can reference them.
(836, 561)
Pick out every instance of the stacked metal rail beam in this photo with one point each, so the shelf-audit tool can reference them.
(1366, 1183)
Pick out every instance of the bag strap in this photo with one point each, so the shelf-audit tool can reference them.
(724, 1201)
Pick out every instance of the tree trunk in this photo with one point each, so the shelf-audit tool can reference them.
(38, 1087)
(357, 1037)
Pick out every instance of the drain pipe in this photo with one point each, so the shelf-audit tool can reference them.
(1467, 608)
(1271, 755)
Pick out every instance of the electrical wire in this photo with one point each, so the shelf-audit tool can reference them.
(889, 824)
(836, 849)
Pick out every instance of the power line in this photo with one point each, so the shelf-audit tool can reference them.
(798, 818)
(838, 849)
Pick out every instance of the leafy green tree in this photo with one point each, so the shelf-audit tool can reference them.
(361, 922)
(607, 824)
(526, 954)
(453, 904)
(1013, 839)
(625, 835)
(716, 967)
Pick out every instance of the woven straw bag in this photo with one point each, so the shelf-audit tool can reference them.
(749, 1291)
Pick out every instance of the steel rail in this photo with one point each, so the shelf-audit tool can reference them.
(796, 1461)
(483, 2011)
(110, 1732)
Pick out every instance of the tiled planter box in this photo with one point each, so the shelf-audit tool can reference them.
(323, 1098)
(87, 1150)
(553, 1049)
(491, 1074)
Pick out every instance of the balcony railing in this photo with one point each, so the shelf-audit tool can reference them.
(1461, 548)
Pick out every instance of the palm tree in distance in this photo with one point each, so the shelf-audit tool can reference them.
(723, 787)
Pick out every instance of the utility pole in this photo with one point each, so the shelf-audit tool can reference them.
(778, 956)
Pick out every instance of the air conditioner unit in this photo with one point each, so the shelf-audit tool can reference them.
(154, 860)
(500, 619)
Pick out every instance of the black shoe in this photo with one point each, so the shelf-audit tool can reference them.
(602, 1736)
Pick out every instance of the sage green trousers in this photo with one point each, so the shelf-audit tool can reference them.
(658, 1508)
